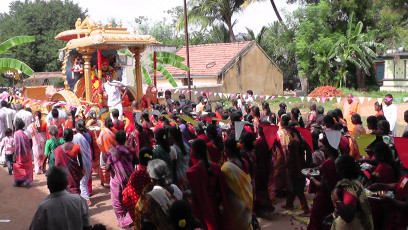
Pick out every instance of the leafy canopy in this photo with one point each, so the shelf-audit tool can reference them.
(44, 20)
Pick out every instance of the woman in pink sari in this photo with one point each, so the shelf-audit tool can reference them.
(119, 164)
(23, 168)
(38, 131)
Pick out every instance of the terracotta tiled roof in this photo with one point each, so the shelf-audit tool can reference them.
(208, 59)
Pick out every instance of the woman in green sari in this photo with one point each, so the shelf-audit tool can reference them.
(51, 145)
(165, 152)
(351, 207)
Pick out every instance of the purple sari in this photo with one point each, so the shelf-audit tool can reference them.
(122, 168)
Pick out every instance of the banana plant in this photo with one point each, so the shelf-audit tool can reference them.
(162, 59)
(11, 64)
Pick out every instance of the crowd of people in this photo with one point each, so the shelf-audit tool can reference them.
(191, 166)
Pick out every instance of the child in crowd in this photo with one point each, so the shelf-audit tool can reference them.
(7, 144)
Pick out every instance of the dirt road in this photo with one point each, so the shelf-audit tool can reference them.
(18, 205)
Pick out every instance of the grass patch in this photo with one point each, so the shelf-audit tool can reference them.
(373, 92)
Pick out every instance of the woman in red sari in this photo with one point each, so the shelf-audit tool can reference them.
(137, 182)
(68, 155)
(70, 122)
(23, 166)
(322, 205)
(384, 172)
(397, 206)
(215, 146)
(58, 122)
(208, 189)
(263, 170)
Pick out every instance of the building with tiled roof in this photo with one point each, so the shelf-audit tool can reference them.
(228, 68)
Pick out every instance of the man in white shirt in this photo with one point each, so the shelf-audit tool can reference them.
(25, 115)
(249, 100)
(61, 210)
(114, 95)
(391, 114)
(199, 105)
(10, 113)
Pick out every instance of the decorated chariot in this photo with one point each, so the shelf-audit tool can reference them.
(91, 53)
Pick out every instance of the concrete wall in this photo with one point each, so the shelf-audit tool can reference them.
(395, 76)
(254, 70)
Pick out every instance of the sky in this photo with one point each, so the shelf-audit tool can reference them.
(254, 16)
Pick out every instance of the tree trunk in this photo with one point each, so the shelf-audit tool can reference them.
(304, 84)
(361, 76)
(276, 10)
(231, 32)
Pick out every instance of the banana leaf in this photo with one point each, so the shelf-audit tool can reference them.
(166, 74)
(126, 52)
(146, 76)
(16, 64)
(2, 82)
(15, 41)
(162, 54)
(172, 62)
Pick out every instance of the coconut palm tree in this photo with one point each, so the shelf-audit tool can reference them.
(8, 64)
(258, 38)
(247, 2)
(205, 13)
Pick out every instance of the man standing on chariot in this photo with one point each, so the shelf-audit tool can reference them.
(106, 70)
(113, 91)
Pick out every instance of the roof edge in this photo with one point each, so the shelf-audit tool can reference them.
(233, 60)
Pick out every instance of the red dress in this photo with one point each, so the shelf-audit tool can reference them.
(398, 218)
(215, 154)
(209, 192)
(131, 194)
(384, 174)
(322, 203)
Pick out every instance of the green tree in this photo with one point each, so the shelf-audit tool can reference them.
(356, 48)
(312, 42)
(392, 22)
(44, 20)
(11, 64)
(278, 44)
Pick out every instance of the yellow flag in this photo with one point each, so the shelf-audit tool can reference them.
(363, 141)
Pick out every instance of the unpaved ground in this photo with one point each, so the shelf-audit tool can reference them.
(367, 109)
(19, 205)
